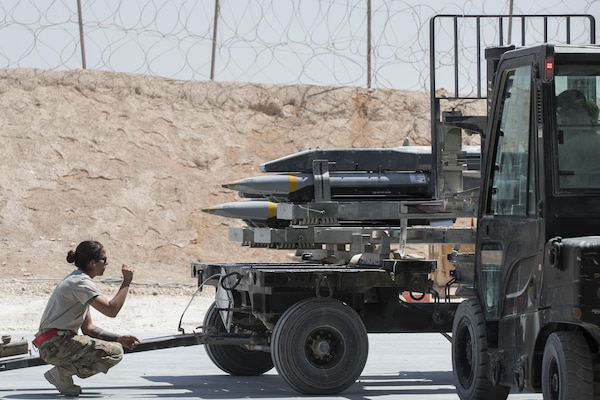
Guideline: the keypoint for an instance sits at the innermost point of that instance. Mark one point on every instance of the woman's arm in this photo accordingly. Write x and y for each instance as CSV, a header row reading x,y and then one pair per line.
x,y
88,328
111,308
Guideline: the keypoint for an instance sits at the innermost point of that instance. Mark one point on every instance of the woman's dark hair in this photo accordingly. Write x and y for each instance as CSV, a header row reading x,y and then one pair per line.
x,y
85,252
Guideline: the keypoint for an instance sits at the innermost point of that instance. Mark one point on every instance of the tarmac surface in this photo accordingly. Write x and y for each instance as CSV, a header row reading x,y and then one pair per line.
x,y
400,366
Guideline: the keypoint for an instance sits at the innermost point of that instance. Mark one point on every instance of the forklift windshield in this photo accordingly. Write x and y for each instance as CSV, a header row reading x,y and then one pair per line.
x,y
578,132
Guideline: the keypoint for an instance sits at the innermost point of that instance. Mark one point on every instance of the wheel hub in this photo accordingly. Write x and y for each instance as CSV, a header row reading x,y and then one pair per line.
x,y
322,347
554,380
465,355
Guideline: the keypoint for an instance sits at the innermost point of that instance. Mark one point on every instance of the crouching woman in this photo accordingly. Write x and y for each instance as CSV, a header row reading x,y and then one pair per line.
x,y
67,311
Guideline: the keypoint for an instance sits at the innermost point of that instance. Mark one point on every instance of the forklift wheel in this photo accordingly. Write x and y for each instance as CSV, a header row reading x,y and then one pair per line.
x,y
470,360
567,368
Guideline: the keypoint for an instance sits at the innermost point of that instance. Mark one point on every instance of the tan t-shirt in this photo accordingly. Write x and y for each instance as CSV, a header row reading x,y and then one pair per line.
x,y
69,303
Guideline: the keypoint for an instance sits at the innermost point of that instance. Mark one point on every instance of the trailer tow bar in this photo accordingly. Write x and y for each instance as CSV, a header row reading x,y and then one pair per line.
x,y
157,343
444,334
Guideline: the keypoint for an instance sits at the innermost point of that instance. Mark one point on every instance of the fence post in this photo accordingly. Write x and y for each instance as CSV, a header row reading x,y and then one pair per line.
x,y
214,42
369,44
81,41
510,20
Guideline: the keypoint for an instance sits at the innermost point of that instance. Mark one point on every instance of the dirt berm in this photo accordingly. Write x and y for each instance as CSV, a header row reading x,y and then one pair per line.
x,y
131,160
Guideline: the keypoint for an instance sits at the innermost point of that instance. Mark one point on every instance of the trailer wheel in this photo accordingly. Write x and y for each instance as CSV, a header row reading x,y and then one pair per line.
x,y
234,359
319,346
470,360
567,368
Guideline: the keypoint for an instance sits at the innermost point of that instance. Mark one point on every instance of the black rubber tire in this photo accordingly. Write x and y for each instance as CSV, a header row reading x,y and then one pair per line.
x,y
470,359
567,367
233,359
319,346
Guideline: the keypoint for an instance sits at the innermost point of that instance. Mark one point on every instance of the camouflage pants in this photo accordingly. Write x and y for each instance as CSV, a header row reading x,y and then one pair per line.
x,y
81,355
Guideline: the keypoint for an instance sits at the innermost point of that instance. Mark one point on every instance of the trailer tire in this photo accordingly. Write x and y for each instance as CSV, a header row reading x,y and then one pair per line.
x,y
567,367
234,359
470,359
319,346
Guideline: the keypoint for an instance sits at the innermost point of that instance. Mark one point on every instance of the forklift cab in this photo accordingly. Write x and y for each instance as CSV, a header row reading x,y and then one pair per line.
x,y
543,178
540,191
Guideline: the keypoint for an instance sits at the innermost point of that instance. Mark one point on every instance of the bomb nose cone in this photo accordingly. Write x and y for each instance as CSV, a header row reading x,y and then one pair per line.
x,y
212,210
271,184
252,210
232,185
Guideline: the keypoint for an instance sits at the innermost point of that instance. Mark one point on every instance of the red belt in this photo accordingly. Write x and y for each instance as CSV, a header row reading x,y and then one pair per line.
x,y
50,334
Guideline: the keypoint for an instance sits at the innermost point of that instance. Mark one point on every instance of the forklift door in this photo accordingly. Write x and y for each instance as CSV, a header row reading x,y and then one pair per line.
x,y
509,227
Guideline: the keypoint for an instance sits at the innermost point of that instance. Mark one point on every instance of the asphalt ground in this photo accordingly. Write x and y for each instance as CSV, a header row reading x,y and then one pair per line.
x,y
400,366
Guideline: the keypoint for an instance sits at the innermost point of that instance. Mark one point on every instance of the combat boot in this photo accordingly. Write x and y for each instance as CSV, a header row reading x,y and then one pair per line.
x,y
63,382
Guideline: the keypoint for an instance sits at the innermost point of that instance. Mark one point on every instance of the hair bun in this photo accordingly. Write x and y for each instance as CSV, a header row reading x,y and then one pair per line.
x,y
71,257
